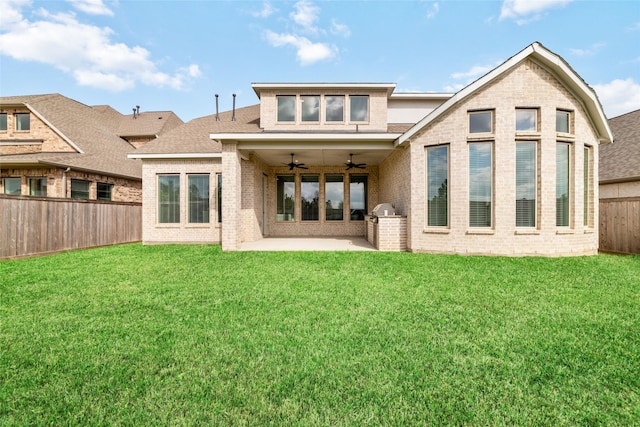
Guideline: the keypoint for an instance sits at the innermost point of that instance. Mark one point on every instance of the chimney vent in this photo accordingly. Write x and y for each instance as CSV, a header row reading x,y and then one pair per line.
x,y
217,117
233,115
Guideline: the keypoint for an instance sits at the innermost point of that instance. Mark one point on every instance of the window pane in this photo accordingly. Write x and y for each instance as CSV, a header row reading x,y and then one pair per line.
x,y
287,108
219,197
3,121
334,108
286,194
357,197
526,120
169,199
310,108
334,197
526,184
12,186
562,121
480,122
480,184
309,195
437,197
198,198
38,187
104,191
23,121
587,187
562,185
359,108
79,189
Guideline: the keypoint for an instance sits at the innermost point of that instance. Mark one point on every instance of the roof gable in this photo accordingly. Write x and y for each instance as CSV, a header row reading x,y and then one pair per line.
x,y
552,63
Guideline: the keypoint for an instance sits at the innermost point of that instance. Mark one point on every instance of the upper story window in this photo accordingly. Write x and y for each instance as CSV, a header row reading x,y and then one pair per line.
x,y
12,186
38,187
563,121
334,108
310,108
359,108
286,108
526,120
23,121
3,121
481,122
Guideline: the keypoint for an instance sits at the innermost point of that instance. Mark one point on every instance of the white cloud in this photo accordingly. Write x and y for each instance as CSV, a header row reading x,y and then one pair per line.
x,y
525,11
592,50
474,72
306,15
92,7
307,51
86,52
340,29
266,11
435,8
619,96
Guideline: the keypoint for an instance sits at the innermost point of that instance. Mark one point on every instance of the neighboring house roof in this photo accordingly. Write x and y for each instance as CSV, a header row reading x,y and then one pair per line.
x,y
92,131
152,123
620,161
560,68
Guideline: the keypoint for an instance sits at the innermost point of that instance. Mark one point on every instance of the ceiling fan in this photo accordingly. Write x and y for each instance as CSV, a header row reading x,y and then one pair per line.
x,y
294,164
351,165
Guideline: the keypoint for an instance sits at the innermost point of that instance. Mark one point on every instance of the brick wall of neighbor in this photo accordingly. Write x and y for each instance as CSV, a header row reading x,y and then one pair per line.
x,y
152,232
377,111
320,227
620,190
528,85
124,190
51,141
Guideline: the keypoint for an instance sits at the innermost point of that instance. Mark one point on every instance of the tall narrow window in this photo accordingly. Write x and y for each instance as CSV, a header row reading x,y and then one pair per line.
x,y
562,184
481,122
310,108
526,184
23,121
286,108
286,194
359,108
198,198
437,191
38,187
12,186
104,191
357,197
480,184
334,108
3,121
219,207
563,121
79,189
587,186
334,197
309,197
168,199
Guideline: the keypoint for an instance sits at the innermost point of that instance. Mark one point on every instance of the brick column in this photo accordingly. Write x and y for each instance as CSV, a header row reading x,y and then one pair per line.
x,y
231,197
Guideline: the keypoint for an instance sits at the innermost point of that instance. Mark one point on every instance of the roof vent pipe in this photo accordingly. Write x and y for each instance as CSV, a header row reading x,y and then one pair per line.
x,y
217,117
137,110
233,116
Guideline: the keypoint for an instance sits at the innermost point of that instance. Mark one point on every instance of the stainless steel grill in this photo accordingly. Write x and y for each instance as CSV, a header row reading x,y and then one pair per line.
x,y
383,209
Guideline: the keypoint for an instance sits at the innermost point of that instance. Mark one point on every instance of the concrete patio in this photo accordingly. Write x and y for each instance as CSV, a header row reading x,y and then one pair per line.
x,y
308,244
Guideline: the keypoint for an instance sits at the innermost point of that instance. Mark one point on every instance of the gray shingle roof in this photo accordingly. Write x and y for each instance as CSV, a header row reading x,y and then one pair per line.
x,y
94,130
620,161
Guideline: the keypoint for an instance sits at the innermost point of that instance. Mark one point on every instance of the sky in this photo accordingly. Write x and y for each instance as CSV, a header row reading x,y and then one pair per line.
x,y
176,55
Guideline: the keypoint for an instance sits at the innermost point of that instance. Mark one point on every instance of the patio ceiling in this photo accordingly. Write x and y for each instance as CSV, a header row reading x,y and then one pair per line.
x,y
320,156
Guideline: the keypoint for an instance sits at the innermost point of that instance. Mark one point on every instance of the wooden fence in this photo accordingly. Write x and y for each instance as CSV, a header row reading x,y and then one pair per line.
x,y
30,225
620,225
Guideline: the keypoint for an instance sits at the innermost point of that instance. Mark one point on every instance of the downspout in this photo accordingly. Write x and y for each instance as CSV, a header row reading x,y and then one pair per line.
x,y
64,182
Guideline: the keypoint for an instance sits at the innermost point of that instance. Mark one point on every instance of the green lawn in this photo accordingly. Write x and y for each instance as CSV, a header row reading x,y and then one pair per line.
x,y
183,335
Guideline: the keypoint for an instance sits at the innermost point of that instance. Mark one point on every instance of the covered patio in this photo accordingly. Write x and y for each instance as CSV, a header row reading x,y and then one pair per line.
x,y
344,243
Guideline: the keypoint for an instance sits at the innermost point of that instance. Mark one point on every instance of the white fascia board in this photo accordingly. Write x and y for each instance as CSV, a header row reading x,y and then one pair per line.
x,y
258,87
317,145
302,137
55,129
421,95
175,156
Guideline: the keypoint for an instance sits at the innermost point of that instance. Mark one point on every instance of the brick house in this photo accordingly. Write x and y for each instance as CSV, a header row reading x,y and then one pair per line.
x,y
53,146
507,165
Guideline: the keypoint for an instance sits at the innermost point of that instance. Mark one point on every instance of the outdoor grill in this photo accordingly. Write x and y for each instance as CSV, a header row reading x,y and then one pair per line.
x,y
383,209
